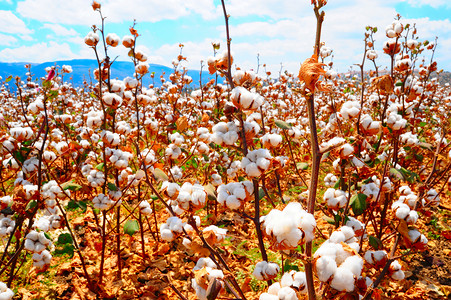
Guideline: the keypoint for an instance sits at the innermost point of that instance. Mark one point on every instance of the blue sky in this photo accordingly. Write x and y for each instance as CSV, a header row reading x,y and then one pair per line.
x,y
279,32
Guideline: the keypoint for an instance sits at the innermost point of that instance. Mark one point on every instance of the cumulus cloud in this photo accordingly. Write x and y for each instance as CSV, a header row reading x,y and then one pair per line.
x,y
10,23
80,12
432,3
7,40
60,30
41,52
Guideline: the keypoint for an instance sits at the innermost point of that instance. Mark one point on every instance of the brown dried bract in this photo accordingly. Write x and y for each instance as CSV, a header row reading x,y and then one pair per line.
x,y
383,84
310,71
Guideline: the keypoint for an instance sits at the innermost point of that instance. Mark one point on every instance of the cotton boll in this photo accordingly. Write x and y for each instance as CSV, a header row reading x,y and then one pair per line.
x,y
401,210
395,271
343,280
325,267
266,270
274,288
354,264
412,218
267,296
300,282
287,293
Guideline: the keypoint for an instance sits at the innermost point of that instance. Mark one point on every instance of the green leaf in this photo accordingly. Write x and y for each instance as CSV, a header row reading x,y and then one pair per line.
x,y
32,204
70,185
399,83
111,186
375,242
8,79
100,167
302,165
395,173
65,238
18,156
288,267
130,227
261,193
422,124
160,175
282,124
358,203
66,249
329,220
46,84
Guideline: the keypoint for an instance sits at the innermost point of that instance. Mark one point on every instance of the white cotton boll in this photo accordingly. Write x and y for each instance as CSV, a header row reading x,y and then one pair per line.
x,y
274,288
325,267
410,200
166,234
346,150
326,249
373,257
348,232
43,239
266,270
337,237
232,202
401,210
252,170
412,218
267,296
38,247
396,271
6,293
263,163
343,280
287,293
43,223
300,282
287,279
354,264
29,245
350,109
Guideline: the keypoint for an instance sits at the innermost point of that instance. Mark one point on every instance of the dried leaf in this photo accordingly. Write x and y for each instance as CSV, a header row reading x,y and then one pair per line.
x,y
310,71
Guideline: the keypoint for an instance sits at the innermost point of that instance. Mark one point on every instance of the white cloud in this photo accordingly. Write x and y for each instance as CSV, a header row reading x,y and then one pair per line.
x,y
80,11
50,11
61,30
40,52
10,23
7,40
432,3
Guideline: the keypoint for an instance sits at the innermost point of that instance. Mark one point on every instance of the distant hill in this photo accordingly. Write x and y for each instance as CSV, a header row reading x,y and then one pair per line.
x,y
83,69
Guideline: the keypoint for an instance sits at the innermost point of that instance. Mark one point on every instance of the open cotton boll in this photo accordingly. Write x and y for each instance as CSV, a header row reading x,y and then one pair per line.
x,y
5,292
330,180
343,280
300,282
377,258
325,267
287,293
354,264
271,140
267,296
335,199
395,271
266,270
289,227
145,208
401,210
350,109
412,218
